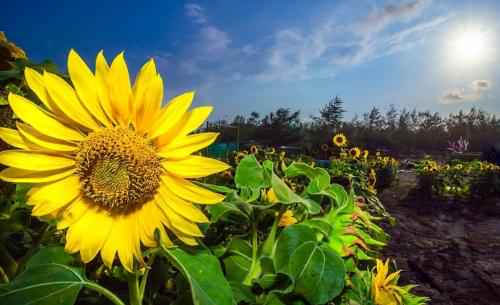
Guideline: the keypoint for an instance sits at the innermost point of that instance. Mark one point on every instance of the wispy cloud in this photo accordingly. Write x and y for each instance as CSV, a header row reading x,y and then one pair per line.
x,y
475,91
196,12
379,18
298,53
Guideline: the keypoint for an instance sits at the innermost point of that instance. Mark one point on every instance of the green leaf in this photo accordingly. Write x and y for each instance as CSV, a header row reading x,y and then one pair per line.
x,y
250,174
242,293
216,188
289,239
319,175
286,196
321,225
46,284
318,272
228,211
204,274
47,255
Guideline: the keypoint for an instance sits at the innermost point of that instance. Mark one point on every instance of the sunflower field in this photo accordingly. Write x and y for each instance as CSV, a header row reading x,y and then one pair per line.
x,y
106,198
458,180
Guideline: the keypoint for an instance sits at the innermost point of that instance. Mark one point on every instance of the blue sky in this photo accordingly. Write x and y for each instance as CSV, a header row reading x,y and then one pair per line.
x,y
244,56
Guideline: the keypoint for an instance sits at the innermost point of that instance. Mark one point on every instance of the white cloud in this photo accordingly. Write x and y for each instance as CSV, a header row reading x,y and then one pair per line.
x,y
295,53
380,18
196,12
476,90
299,53
481,85
213,40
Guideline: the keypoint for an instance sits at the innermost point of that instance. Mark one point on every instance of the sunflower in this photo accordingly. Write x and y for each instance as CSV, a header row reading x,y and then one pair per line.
x,y
372,177
340,140
355,152
107,161
287,219
254,150
366,153
385,290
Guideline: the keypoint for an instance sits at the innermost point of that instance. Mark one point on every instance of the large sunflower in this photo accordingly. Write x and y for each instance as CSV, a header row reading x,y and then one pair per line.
x,y
108,161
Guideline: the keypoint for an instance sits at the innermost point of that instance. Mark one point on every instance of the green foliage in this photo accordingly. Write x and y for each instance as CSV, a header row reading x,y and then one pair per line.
x,y
458,180
204,274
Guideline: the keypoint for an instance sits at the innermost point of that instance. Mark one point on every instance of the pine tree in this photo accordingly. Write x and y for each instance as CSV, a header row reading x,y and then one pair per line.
x,y
333,113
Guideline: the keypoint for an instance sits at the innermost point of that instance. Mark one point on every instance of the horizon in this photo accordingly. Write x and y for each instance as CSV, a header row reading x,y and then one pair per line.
x,y
429,55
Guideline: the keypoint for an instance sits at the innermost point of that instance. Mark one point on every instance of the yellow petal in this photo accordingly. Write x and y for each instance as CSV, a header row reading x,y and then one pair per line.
x,y
35,82
86,87
17,175
196,118
177,221
149,221
73,212
54,195
142,83
32,135
182,207
189,123
101,76
119,89
111,245
172,114
190,192
182,147
90,244
34,161
187,239
13,138
194,166
152,103
40,120
123,239
65,99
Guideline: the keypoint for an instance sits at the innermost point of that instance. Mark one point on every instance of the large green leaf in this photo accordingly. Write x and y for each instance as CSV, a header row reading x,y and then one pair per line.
x,y
47,255
46,284
250,174
48,280
204,274
291,238
227,211
318,272
319,175
286,196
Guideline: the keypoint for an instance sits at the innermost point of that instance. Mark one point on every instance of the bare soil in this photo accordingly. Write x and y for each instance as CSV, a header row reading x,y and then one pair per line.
x,y
450,249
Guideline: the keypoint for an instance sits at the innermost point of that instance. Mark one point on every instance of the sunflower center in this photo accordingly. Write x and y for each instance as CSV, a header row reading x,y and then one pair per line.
x,y
118,169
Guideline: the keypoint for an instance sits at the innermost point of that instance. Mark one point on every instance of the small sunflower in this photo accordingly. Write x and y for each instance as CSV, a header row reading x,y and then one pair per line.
x,y
271,196
340,140
107,161
366,153
372,177
355,152
239,156
385,290
287,219
254,150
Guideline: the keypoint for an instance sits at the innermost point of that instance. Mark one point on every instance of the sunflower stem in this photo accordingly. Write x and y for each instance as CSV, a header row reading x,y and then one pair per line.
x,y
144,279
254,271
105,292
133,289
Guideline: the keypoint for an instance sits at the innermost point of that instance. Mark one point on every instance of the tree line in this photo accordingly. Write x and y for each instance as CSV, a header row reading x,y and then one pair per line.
x,y
396,130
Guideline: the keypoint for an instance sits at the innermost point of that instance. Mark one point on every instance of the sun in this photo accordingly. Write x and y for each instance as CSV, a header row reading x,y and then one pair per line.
x,y
469,46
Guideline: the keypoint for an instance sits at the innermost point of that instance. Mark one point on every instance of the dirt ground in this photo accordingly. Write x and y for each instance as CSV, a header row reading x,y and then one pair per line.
x,y
451,250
